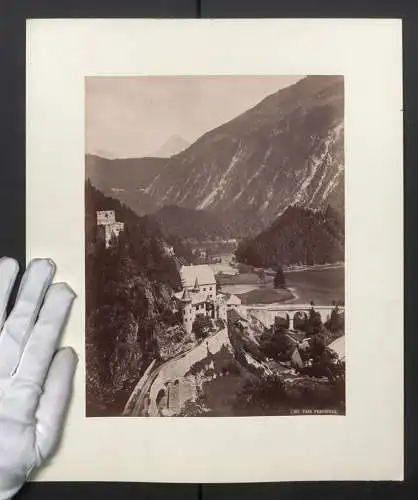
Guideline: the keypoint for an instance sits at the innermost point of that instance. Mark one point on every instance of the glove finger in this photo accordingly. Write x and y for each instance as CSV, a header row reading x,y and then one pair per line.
x,y
9,269
35,282
42,342
54,400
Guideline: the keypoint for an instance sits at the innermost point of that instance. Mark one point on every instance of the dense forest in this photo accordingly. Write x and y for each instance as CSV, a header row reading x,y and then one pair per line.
x,y
129,311
187,223
298,236
201,225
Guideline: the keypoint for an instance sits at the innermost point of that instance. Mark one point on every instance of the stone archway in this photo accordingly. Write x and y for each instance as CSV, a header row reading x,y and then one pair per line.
x,y
296,318
300,319
161,399
281,320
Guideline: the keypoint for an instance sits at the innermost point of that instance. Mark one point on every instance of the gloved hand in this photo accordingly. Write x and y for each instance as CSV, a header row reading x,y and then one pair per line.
x,y
35,379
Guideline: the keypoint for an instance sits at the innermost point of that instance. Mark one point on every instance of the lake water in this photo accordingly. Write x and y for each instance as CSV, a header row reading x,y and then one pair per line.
x,y
320,285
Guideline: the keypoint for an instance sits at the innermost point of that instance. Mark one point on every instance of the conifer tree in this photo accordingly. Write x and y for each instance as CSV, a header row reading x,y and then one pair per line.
x,y
279,279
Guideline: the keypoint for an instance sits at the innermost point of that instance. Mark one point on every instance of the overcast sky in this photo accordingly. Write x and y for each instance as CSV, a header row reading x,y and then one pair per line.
x,y
135,116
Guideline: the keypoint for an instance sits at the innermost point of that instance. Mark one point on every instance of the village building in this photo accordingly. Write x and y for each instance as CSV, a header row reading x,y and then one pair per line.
x,y
338,346
232,301
199,295
200,278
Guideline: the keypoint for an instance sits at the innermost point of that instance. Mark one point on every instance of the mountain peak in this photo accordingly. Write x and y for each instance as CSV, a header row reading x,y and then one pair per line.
x,y
172,146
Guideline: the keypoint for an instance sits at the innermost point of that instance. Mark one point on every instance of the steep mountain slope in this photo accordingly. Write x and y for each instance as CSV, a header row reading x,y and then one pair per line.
x,y
287,149
299,236
125,179
187,223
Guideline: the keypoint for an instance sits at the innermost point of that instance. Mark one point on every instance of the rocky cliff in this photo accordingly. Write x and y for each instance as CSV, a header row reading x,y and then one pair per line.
x,y
288,149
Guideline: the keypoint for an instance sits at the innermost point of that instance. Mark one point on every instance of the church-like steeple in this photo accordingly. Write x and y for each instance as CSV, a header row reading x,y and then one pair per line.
x,y
186,296
196,285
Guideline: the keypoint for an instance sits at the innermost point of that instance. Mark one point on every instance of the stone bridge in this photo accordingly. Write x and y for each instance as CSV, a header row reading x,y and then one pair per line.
x,y
266,314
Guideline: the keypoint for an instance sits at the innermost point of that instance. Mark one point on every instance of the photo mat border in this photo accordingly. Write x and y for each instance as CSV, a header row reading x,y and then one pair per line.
x,y
13,145
388,50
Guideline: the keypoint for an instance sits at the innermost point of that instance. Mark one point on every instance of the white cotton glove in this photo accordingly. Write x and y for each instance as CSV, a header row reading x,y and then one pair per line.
x,y
35,379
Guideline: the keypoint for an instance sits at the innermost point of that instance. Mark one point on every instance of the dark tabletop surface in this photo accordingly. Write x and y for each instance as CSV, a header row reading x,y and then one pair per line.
x,y
13,14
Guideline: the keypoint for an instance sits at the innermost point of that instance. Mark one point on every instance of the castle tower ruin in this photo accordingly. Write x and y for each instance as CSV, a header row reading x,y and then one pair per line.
x,y
107,220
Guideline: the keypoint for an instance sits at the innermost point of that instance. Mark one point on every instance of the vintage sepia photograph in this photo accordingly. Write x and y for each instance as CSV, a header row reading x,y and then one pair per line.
x,y
214,246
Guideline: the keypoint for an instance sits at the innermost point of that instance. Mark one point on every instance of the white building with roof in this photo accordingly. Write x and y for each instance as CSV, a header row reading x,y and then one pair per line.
x,y
199,295
339,347
232,301
200,277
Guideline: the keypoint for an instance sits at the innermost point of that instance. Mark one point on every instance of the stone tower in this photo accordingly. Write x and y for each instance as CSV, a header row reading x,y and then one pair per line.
x,y
107,220
187,311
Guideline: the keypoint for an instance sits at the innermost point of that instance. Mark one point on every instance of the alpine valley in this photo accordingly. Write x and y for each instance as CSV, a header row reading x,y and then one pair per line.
x,y
215,270
287,150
